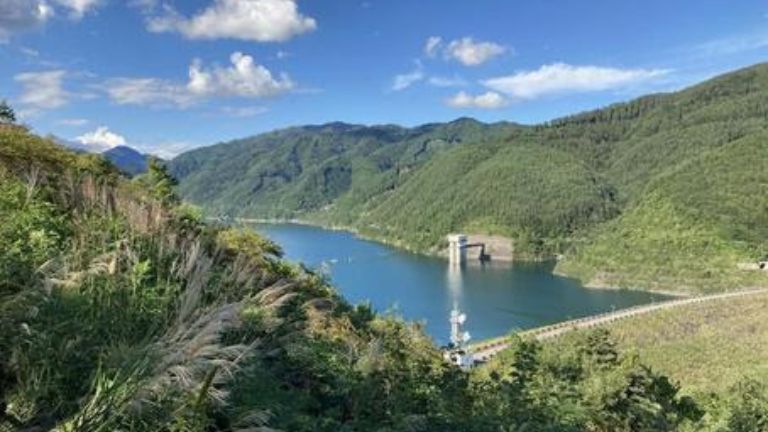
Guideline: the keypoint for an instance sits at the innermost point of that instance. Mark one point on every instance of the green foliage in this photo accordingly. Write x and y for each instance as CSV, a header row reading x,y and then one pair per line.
x,y
663,192
749,410
121,310
586,385
160,183
707,346
691,230
7,114
31,233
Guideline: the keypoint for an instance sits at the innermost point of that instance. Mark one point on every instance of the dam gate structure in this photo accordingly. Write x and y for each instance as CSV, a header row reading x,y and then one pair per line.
x,y
457,249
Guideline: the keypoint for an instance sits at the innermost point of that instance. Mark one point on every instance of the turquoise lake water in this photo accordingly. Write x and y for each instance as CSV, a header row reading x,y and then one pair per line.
x,y
496,297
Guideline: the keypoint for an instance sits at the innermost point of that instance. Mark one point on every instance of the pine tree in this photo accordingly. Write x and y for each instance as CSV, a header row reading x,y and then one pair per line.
x,y
161,183
7,115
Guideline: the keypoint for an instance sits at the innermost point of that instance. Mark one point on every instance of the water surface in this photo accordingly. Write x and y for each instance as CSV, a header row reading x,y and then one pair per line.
x,y
497,297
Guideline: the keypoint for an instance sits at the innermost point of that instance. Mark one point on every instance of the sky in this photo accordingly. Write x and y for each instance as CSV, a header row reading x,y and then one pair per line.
x,y
166,76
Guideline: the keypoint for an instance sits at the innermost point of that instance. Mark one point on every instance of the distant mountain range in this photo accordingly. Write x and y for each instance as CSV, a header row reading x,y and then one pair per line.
x,y
127,159
664,192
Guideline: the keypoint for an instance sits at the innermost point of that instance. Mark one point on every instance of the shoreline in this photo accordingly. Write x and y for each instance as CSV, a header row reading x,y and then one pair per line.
x,y
356,232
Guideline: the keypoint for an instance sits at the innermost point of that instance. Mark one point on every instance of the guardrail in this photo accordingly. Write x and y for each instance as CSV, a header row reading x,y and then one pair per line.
x,y
484,351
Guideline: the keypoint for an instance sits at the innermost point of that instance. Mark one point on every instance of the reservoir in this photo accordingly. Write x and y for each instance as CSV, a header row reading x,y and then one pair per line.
x,y
497,297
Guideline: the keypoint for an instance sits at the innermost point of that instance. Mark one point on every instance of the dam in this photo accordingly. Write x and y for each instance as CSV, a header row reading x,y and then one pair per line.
x,y
457,249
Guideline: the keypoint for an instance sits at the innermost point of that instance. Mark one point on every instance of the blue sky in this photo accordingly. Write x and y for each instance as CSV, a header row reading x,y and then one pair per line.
x,y
169,75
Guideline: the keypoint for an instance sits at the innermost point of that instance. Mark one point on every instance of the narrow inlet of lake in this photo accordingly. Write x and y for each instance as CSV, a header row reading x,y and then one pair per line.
x,y
496,297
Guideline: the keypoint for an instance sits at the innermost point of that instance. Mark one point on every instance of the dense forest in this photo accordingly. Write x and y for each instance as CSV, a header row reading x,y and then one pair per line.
x,y
664,192
120,309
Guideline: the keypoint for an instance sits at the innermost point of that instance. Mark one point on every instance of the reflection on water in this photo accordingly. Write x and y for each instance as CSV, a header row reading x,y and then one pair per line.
x,y
496,297
454,282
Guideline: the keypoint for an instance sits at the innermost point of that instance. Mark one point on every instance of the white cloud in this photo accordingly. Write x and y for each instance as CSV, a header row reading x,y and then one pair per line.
x,y
244,78
166,150
21,15
403,81
432,46
466,50
78,8
563,78
42,90
488,100
148,91
29,52
100,140
469,52
75,122
254,20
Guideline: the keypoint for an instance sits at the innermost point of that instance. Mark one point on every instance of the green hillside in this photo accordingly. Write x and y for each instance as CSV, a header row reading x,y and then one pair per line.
x,y
292,172
708,346
531,193
121,310
662,192
691,229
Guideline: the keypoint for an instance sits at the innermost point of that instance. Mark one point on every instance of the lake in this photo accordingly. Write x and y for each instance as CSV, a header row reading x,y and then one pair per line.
x,y
497,297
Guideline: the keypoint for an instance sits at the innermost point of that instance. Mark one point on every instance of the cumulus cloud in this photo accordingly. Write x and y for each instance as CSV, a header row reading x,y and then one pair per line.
x,y
100,140
488,100
466,50
564,78
42,90
469,52
243,78
253,20
21,15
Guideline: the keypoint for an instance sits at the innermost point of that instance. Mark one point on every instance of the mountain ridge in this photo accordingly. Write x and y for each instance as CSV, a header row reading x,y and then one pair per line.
x,y
554,188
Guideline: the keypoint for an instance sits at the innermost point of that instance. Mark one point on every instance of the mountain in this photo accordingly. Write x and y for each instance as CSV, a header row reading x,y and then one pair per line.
x,y
301,170
127,159
664,192
121,309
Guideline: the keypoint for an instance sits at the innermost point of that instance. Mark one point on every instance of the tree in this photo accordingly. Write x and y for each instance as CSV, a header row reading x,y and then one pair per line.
x,y
161,183
7,115
599,349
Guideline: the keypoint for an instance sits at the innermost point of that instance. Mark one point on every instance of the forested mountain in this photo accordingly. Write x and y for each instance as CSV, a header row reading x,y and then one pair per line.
x,y
120,309
304,169
130,161
666,191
